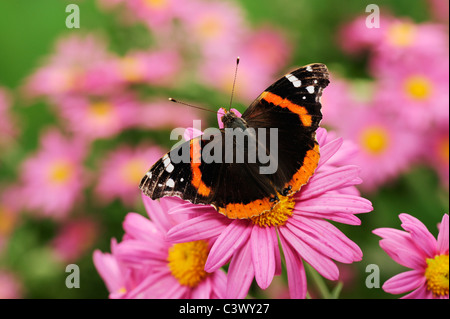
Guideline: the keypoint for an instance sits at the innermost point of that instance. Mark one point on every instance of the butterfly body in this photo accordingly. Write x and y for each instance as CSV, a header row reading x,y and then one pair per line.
x,y
279,127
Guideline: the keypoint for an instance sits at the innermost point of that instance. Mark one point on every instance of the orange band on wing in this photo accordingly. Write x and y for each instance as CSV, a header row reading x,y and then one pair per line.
x,y
301,111
195,152
305,172
243,211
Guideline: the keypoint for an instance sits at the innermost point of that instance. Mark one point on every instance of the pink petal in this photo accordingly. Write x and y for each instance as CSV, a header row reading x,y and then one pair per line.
x,y
233,237
203,290
404,257
263,256
295,271
335,203
442,241
219,283
156,213
420,293
204,226
328,150
240,273
109,269
318,261
278,268
137,253
139,227
404,282
331,179
420,235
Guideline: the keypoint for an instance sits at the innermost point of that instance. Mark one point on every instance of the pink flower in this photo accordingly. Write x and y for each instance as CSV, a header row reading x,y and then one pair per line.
x,y
79,64
74,239
10,286
215,27
386,147
150,67
52,180
8,129
156,14
417,249
298,222
122,169
96,118
145,265
416,92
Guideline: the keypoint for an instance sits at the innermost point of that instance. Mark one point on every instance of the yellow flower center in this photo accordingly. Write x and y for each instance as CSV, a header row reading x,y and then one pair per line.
x,y
133,171
401,34
418,87
187,262
210,27
437,275
156,4
131,69
60,172
101,111
374,140
278,215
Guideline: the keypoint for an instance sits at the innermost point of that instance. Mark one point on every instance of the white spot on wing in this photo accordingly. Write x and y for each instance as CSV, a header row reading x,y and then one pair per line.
x,y
309,68
169,168
310,89
170,183
149,174
294,80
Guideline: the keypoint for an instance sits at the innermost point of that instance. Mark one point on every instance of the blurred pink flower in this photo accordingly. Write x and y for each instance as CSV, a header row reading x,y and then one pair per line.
x,y
79,64
416,93
8,129
52,180
150,67
145,265
385,147
299,221
74,239
156,14
215,27
121,171
101,117
417,249
159,114
10,285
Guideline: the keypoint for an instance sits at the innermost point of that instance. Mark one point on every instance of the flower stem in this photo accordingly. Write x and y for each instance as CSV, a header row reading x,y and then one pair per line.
x,y
319,282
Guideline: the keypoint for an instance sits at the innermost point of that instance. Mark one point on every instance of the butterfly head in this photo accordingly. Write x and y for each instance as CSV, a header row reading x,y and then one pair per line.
x,y
231,120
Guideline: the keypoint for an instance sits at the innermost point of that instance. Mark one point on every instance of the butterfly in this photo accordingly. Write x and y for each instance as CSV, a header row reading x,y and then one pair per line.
x,y
290,109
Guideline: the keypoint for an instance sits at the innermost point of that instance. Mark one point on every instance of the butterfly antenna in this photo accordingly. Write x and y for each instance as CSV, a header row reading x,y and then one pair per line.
x,y
234,81
190,105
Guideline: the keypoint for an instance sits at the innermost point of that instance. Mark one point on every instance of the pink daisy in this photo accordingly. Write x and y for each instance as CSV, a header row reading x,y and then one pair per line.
x,y
101,117
417,92
79,64
122,169
417,249
299,222
74,239
150,67
215,27
52,180
386,148
145,265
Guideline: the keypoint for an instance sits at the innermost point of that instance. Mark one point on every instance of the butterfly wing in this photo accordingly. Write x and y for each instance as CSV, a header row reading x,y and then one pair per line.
x,y
292,105
236,190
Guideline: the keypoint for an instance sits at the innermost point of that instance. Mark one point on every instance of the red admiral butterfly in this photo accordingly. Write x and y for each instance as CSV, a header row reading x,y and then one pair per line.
x,y
238,189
